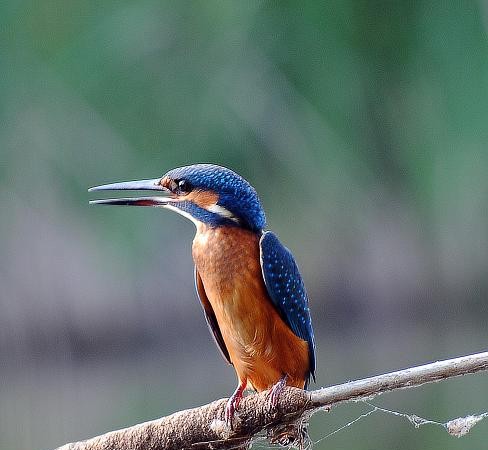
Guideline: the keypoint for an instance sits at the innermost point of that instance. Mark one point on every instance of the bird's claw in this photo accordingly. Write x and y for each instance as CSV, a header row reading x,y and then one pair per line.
x,y
276,390
230,409
232,406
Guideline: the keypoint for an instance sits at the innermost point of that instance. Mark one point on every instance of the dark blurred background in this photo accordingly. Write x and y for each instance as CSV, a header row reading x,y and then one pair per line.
x,y
363,126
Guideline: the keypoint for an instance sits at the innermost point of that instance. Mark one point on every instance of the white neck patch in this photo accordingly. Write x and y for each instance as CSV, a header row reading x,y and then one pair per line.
x,y
216,209
223,212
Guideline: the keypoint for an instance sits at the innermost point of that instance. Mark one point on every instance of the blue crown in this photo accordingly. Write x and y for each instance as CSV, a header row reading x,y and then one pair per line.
x,y
234,193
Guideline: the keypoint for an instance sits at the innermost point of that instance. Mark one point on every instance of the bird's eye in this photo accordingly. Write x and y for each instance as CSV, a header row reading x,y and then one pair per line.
x,y
184,187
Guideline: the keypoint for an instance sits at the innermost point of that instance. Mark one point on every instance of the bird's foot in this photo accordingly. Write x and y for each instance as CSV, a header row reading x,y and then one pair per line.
x,y
276,390
233,404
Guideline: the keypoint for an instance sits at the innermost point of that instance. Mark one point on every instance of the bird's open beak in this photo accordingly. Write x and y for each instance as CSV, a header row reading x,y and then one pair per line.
x,y
142,185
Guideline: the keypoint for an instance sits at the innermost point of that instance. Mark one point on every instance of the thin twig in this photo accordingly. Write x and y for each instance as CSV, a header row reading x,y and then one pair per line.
x,y
406,378
204,427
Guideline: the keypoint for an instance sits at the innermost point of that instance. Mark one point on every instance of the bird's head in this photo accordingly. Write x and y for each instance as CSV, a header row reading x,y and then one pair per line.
x,y
204,193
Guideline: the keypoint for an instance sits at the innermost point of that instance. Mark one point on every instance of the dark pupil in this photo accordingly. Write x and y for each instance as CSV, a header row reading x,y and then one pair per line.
x,y
183,186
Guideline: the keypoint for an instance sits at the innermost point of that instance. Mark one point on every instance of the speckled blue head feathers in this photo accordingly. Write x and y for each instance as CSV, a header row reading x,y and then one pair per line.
x,y
234,195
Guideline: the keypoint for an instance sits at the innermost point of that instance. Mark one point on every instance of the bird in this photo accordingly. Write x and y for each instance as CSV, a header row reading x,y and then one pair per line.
x,y
252,294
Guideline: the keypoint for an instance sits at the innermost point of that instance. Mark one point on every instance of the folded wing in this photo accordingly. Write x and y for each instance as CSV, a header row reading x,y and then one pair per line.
x,y
287,290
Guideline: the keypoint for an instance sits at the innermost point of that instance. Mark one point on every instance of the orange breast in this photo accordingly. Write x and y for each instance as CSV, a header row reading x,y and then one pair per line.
x,y
261,346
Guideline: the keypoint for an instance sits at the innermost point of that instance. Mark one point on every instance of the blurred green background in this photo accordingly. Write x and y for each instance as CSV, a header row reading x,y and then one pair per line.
x,y
363,126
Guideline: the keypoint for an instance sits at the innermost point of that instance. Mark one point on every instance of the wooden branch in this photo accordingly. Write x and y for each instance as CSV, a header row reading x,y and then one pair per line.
x,y
203,427
415,376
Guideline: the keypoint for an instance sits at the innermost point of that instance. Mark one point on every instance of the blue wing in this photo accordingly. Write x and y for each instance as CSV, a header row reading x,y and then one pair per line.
x,y
286,290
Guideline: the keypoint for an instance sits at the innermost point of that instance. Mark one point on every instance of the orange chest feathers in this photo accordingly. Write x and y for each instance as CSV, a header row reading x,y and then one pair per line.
x,y
261,346
227,260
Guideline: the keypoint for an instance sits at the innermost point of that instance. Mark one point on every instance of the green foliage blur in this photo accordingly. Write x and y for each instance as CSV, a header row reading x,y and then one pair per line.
x,y
363,126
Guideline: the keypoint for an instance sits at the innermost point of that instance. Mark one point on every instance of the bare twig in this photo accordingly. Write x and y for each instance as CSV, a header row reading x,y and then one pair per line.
x,y
203,428
414,376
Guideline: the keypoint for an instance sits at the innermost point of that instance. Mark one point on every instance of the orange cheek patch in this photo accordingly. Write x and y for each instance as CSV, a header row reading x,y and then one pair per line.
x,y
204,199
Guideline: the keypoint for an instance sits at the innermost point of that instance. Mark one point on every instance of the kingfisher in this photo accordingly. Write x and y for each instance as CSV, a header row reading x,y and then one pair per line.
x,y
248,283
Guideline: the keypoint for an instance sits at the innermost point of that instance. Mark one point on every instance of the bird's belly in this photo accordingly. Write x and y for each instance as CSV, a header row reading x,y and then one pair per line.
x,y
261,346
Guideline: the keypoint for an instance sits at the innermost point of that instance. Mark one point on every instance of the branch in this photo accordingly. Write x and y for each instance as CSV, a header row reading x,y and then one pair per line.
x,y
203,427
